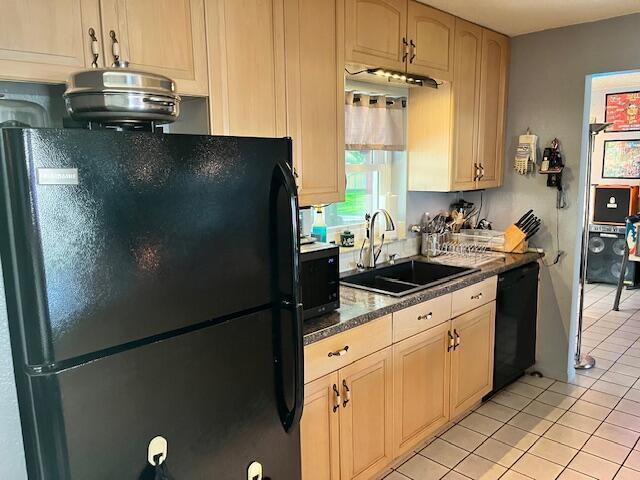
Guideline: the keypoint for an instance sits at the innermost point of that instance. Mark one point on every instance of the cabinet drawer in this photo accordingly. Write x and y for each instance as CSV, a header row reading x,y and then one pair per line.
x,y
335,352
473,296
421,317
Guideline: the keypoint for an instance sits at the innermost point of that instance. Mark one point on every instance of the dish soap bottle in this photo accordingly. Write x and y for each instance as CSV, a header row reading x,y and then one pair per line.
x,y
319,229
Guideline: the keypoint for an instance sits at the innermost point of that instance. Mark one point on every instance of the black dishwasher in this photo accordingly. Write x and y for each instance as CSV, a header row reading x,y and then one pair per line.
x,y
516,316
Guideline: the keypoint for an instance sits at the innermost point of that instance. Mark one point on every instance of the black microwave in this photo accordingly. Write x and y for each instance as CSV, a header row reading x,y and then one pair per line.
x,y
319,278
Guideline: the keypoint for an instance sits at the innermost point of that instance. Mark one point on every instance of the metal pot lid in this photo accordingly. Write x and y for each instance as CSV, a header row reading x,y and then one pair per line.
x,y
101,80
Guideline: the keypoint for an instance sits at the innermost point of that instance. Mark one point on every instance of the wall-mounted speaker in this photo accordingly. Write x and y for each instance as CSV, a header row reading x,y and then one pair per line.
x,y
613,203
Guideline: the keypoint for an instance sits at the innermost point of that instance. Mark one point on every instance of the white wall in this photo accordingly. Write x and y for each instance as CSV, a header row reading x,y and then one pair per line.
x,y
547,94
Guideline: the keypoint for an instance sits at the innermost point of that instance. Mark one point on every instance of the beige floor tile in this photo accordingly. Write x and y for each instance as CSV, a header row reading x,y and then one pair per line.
x,y
556,400
553,451
444,453
610,388
567,436
536,467
513,475
515,437
568,474
625,370
629,406
590,410
530,423
511,400
633,394
543,410
624,420
618,379
613,347
481,424
605,354
600,398
595,466
633,461
595,372
499,452
579,422
421,468
452,475
629,359
619,435
524,389
583,381
540,382
602,363
395,476
606,449
497,411
569,389
626,474
463,437
478,468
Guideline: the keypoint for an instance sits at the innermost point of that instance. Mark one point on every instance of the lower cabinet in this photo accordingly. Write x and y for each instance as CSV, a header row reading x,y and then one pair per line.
x,y
421,372
347,421
472,357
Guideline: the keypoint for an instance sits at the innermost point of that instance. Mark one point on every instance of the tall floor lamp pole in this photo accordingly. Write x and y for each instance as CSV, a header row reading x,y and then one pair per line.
x,y
584,361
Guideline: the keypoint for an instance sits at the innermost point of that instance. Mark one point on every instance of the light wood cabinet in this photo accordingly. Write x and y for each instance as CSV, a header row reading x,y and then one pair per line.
x,y
160,36
493,103
366,417
472,357
314,57
455,136
45,41
422,370
319,429
431,38
376,33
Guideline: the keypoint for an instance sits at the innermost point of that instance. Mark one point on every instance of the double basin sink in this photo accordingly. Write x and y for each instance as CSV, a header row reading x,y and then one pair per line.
x,y
404,278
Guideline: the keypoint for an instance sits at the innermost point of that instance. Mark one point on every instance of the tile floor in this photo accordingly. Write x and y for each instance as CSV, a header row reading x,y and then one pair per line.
x,y
539,428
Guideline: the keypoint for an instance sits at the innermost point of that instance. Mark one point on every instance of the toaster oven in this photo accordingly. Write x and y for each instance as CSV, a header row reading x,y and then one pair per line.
x,y
319,278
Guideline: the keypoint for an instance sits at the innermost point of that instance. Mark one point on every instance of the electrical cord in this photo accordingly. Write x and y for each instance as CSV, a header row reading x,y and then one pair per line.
x,y
355,73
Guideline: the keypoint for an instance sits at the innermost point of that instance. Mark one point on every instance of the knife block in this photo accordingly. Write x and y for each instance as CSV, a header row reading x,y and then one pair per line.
x,y
514,240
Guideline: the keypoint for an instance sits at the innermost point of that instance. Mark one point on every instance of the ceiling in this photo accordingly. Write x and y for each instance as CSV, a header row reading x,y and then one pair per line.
x,y
516,17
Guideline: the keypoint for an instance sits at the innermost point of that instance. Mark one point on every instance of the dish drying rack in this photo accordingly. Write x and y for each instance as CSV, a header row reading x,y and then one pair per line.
x,y
464,249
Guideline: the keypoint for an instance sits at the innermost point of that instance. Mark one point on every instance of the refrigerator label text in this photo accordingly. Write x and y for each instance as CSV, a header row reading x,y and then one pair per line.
x,y
58,176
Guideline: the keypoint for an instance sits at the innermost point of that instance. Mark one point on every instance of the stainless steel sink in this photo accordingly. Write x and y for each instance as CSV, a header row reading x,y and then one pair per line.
x,y
404,278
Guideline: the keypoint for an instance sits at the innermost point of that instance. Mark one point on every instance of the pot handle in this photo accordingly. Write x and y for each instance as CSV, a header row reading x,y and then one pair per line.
x,y
159,101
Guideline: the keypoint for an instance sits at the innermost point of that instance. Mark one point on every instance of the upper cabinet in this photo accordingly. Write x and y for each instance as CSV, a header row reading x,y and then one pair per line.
x,y
246,67
314,57
400,35
456,133
45,41
376,32
160,36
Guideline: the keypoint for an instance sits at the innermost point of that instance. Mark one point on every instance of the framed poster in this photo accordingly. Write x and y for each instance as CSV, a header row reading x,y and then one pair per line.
x,y
621,159
623,110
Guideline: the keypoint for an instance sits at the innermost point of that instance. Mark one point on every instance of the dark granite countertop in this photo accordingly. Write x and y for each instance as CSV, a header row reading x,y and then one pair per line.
x,y
358,307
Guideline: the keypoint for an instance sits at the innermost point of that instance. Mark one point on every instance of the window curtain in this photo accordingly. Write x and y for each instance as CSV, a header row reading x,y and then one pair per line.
x,y
374,122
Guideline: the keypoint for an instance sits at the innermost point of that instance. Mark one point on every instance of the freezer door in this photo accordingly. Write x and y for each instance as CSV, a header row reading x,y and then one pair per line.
x,y
119,237
210,393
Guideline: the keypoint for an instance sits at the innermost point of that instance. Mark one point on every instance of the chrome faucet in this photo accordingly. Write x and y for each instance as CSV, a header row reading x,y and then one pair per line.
x,y
371,254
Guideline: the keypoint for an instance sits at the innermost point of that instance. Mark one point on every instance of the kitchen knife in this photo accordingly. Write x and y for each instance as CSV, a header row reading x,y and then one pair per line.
x,y
532,232
523,218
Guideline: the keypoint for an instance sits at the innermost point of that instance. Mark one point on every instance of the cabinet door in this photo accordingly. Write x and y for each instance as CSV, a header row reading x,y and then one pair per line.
x,y
45,40
319,429
432,34
160,36
246,67
466,89
493,102
366,417
421,371
375,30
472,357
314,46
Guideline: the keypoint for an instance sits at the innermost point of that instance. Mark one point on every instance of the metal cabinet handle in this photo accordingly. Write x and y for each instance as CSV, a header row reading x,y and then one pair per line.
x,y
336,398
95,48
457,343
428,316
405,46
451,341
347,393
481,171
413,51
476,297
339,353
115,49
477,174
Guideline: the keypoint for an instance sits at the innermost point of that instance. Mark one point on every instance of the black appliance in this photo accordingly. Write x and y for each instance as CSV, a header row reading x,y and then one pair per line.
x,y
613,203
141,305
319,278
604,256
516,318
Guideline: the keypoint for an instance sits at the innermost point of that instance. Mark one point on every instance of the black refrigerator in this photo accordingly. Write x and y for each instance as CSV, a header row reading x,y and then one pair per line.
x,y
152,289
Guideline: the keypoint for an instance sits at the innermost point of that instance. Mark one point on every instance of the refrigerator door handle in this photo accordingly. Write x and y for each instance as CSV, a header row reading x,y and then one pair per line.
x,y
283,178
